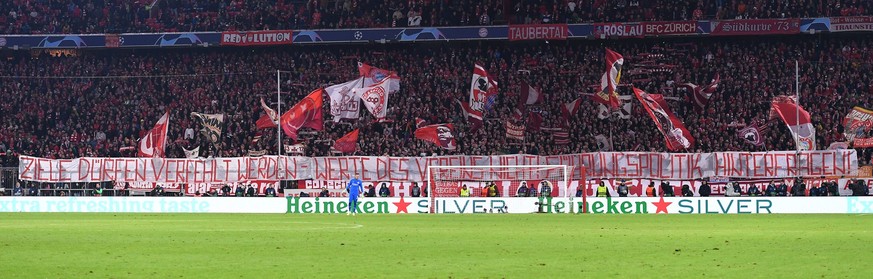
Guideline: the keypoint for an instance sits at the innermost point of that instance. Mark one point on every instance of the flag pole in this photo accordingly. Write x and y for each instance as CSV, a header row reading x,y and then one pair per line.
x,y
279,109
797,95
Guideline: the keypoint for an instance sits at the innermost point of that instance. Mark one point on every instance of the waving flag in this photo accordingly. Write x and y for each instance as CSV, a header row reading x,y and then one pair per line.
x,y
419,122
375,98
753,134
211,123
700,95
857,123
268,120
439,134
344,104
193,153
609,81
570,109
529,95
373,75
797,119
677,137
624,111
305,114
483,90
155,142
347,143
474,117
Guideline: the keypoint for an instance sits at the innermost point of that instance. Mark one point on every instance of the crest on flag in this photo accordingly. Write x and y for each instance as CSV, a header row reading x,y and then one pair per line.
x,y
193,153
797,119
211,125
674,131
439,134
753,134
154,142
608,94
483,90
344,103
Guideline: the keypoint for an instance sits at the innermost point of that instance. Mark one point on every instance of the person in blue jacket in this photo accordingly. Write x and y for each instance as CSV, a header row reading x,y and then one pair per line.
x,y
355,188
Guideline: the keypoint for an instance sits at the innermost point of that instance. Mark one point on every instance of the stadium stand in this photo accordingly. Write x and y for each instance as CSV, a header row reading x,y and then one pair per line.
x,y
97,103
116,16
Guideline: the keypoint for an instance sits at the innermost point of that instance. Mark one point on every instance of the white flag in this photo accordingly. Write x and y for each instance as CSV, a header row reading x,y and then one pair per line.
x,y
193,153
375,97
344,103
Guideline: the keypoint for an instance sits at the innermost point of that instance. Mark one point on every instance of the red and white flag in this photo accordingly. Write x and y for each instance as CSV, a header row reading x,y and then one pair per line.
x,y
700,95
534,121
610,80
561,137
754,133
474,117
570,109
677,136
529,95
344,104
514,131
155,141
483,90
857,123
373,75
270,119
305,114
797,119
375,98
347,143
439,134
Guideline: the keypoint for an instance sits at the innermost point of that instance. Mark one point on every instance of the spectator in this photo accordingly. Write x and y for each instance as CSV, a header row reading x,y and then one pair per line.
x,y
492,190
686,191
814,190
270,191
416,191
545,188
782,190
705,190
383,191
532,191
158,191
251,191
324,192
212,193
771,189
732,189
240,191
622,189
753,190
666,189
17,190
225,190
522,190
799,188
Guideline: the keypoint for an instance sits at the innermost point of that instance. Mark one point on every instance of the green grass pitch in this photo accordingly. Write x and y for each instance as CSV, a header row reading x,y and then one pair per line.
x,y
35,245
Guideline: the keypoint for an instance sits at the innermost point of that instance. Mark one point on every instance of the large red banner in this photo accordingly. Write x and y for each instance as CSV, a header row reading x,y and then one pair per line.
x,y
851,23
670,28
257,38
666,166
538,32
755,27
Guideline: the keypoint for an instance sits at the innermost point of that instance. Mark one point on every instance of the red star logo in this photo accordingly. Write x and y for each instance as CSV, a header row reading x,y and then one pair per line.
x,y
662,206
402,205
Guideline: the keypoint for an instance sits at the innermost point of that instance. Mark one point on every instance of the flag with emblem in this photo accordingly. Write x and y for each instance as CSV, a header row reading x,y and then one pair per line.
x,y
373,75
211,125
155,141
375,98
305,114
440,134
797,119
483,90
344,103
608,94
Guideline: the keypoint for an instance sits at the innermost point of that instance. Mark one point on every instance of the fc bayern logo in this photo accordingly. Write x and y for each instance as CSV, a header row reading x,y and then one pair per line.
x,y
375,96
483,32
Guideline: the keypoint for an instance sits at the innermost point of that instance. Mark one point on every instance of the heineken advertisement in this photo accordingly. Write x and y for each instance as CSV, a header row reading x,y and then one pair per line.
x,y
635,205
404,205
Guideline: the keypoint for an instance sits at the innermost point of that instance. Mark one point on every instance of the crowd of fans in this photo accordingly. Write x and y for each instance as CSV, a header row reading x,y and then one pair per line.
x,y
121,16
100,103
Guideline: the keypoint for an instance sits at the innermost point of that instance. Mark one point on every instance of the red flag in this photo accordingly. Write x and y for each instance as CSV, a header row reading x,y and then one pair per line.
x,y
474,117
347,143
534,121
439,134
561,137
155,142
797,119
569,109
754,133
701,95
609,81
678,138
269,119
306,113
